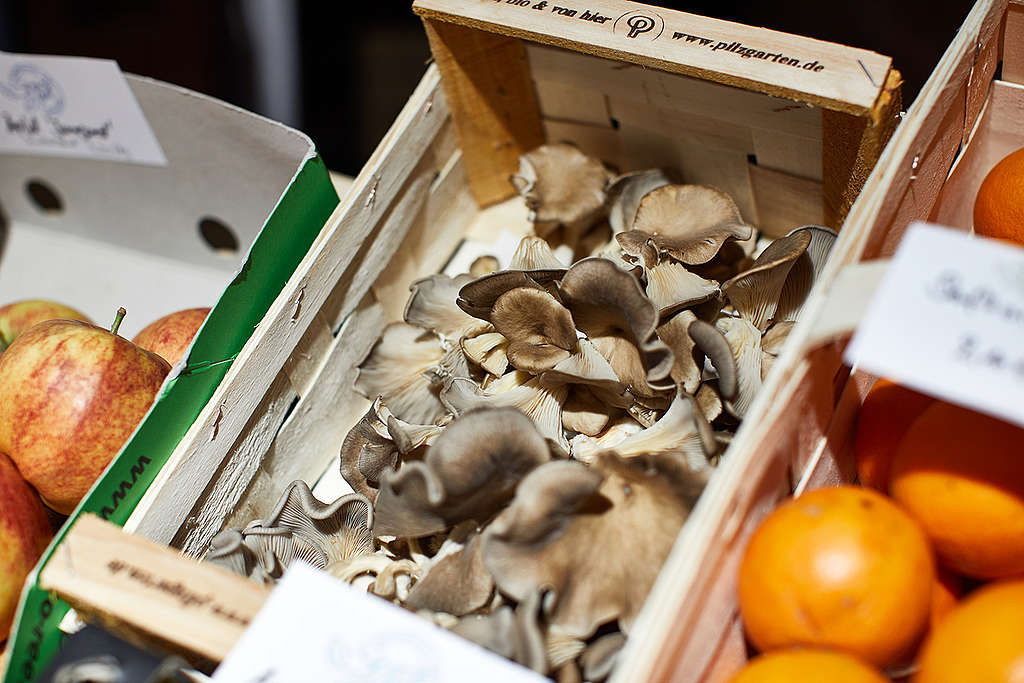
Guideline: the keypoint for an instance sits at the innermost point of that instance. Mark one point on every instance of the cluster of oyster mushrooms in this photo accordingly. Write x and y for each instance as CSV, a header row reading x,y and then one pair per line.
x,y
539,433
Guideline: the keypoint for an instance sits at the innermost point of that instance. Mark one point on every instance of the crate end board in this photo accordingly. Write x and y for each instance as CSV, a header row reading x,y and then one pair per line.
x,y
150,593
816,72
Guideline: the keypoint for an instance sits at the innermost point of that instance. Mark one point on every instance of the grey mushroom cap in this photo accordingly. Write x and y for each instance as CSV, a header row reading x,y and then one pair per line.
x,y
456,584
539,329
535,254
299,528
394,369
562,186
745,341
713,343
515,634
461,476
584,413
625,193
671,287
804,272
432,306
600,656
596,536
609,307
477,298
755,293
484,265
367,451
688,222
688,360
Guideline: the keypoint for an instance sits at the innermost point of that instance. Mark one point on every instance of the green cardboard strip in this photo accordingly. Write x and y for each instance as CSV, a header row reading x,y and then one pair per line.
x,y
282,243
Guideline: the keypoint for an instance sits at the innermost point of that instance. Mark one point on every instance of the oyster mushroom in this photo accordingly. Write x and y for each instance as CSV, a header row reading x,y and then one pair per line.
x,y
805,271
586,366
584,448
559,530
563,188
687,359
682,428
584,413
609,307
534,255
515,634
488,350
300,527
712,343
600,656
394,370
457,583
771,344
687,222
367,451
671,287
543,405
539,329
745,342
625,193
461,475
484,265
477,298
755,293
432,307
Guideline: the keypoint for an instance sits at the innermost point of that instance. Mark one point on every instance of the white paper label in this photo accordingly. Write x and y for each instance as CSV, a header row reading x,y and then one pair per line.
x,y
72,107
948,320
316,628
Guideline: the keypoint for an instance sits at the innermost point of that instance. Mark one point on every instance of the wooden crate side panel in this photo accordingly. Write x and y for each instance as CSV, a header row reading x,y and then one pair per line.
x,y
310,435
917,162
826,74
201,453
784,202
998,133
422,215
851,148
663,90
1013,43
486,79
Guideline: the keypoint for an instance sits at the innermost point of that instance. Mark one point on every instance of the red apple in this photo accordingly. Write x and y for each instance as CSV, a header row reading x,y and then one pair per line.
x,y
17,317
71,394
24,534
169,336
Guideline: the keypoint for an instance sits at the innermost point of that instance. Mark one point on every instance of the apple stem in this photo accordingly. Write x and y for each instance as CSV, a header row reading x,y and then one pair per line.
x,y
117,320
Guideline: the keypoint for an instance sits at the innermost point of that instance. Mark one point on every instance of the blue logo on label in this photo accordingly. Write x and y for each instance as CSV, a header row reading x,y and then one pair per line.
x,y
36,89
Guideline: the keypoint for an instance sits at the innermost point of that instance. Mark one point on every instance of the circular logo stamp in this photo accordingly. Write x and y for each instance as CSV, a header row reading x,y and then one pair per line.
x,y
35,88
639,24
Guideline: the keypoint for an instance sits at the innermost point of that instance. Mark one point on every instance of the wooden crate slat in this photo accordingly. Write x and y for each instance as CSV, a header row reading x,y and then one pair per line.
x,y
176,489
849,80
668,91
487,80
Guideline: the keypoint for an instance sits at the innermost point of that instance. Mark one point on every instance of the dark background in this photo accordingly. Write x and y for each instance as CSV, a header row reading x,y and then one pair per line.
x,y
355,64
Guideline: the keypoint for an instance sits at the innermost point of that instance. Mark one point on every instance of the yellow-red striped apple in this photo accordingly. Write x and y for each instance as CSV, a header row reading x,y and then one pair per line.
x,y
169,336
24,533
71,394
17,317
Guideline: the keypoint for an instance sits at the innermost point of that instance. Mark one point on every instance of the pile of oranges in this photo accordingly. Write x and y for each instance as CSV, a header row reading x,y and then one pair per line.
x,y
918,573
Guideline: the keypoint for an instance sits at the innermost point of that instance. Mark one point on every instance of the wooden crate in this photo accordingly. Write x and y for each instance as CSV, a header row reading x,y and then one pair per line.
x,y
963,122
792,145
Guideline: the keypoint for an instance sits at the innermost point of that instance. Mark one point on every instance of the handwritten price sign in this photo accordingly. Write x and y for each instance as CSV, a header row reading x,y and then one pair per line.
x,y
948,320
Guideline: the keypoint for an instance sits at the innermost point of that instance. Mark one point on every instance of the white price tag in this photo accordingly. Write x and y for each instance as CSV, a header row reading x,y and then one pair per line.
x,y
316,628
948,320
72,107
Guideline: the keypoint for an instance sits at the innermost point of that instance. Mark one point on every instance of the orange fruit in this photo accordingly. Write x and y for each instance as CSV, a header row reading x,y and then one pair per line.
x,y
887,413
840,568
961,475
946,592
807,666
999,204
981,641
